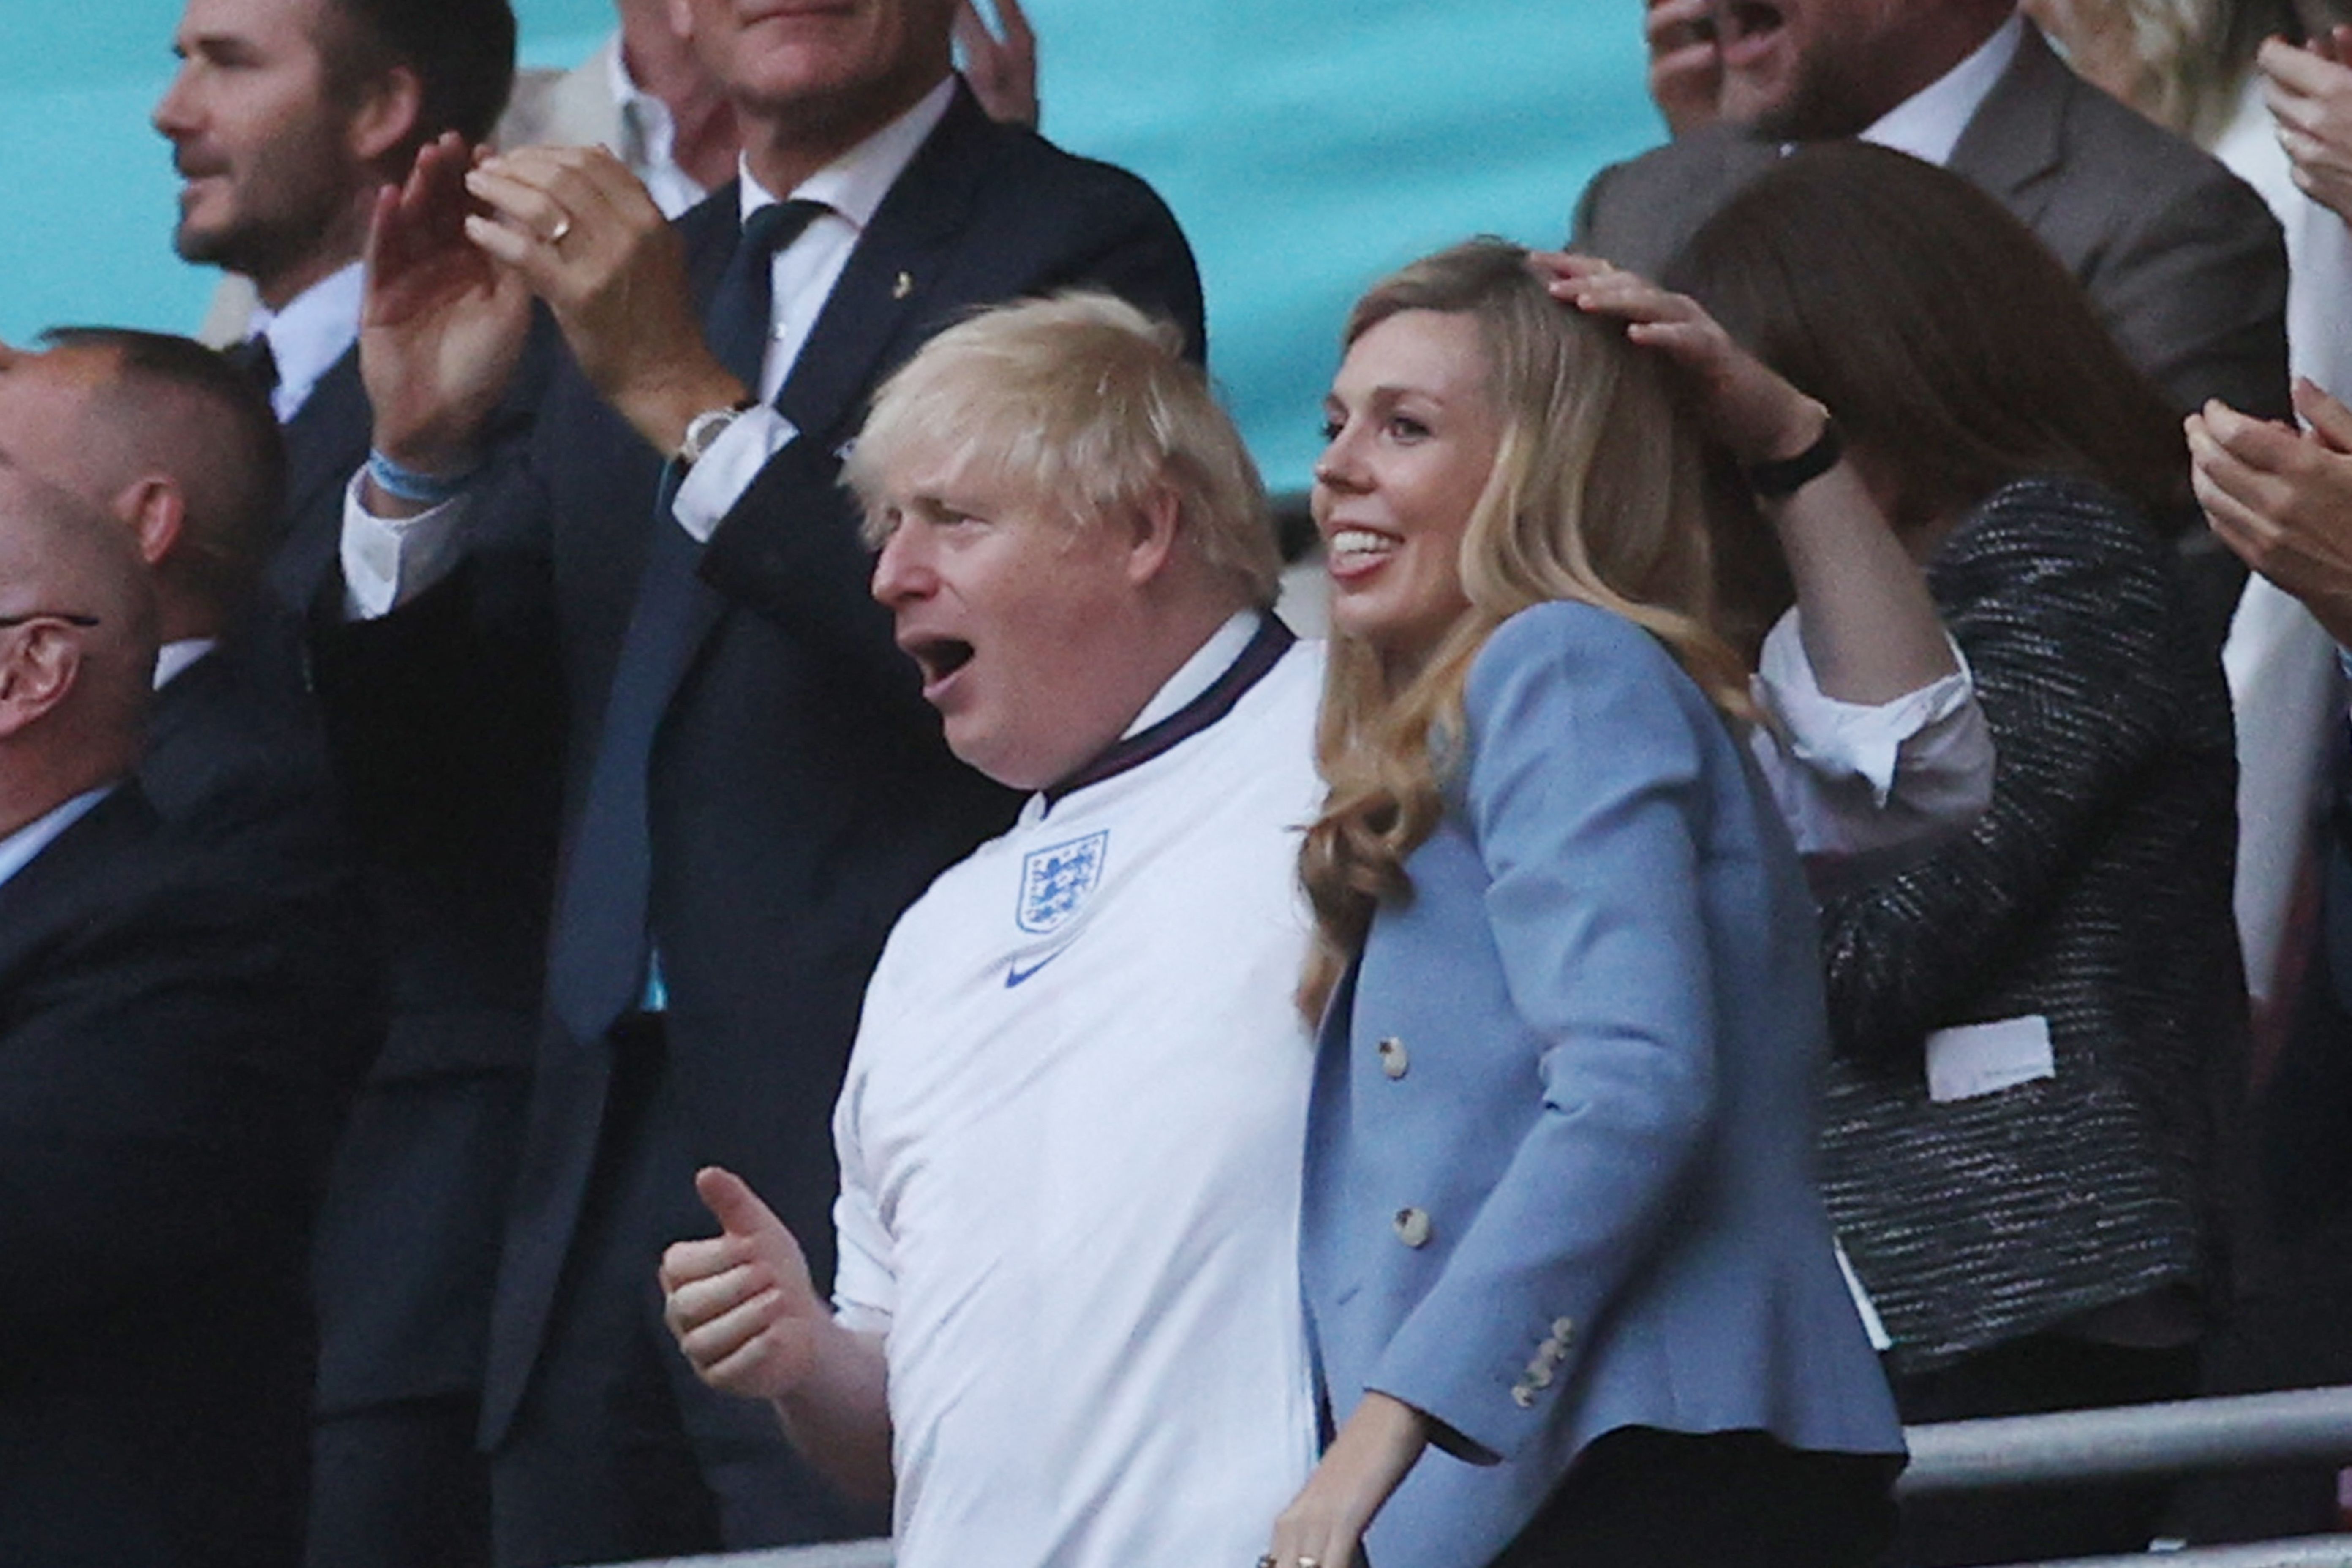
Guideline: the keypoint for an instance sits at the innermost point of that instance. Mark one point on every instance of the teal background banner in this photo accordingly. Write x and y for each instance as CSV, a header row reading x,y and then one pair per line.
x,y
1306,146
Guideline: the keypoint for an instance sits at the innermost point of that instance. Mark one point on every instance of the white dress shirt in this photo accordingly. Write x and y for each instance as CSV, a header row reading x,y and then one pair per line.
x,y
387,561
1928,123
174,657
649,135
18,850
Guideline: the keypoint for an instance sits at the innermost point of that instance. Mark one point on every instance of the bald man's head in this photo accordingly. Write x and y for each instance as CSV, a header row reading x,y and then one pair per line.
x,y
164,433
76,645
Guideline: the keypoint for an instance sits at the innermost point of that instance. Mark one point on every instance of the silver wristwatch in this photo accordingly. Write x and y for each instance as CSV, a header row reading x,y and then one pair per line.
x,y
705,428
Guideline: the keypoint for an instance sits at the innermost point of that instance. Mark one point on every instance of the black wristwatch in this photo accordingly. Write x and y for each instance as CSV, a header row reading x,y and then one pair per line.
x,y
1784,476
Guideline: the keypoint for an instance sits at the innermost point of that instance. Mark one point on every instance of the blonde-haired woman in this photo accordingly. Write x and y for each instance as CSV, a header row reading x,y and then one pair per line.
x,y
1561,1222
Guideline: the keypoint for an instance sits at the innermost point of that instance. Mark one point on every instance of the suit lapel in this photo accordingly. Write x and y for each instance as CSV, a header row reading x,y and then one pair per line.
x,y
55,890
326,441
884,288
890,277
2017,136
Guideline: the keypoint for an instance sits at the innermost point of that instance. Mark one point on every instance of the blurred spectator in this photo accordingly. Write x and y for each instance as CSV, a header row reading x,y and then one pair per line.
x,y
2179,259
2201,67
644,95
286,119
2027,1023
173,1021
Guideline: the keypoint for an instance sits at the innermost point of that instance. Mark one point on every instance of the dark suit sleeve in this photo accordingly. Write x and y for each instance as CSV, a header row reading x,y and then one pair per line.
x,y
2069,622
166,1078
2193,285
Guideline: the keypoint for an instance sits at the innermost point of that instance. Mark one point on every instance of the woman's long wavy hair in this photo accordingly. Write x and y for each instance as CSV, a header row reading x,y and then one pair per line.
x,y
1596,496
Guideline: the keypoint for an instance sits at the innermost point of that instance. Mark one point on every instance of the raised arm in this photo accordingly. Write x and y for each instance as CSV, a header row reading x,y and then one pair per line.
x,y
441,329
746,1314
1871,631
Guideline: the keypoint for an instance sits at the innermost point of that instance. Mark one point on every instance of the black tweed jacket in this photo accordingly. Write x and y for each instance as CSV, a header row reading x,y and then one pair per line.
x,y
2095,894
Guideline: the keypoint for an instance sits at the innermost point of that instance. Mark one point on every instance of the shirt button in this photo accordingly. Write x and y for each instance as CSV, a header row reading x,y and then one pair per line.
x,y
1540,1374
1413,1228
1523,1396
1394,1061
1563,1330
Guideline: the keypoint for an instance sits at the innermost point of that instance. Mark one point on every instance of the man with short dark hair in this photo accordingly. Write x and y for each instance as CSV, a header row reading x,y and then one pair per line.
x,y
755,784
175,1023
287,119
165,435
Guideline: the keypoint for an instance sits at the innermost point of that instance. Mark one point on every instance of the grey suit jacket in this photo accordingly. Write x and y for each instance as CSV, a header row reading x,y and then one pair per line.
x,y
2180,257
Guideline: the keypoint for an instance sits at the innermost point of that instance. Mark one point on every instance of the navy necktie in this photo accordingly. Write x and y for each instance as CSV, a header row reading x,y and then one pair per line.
x,y
596,968
255,358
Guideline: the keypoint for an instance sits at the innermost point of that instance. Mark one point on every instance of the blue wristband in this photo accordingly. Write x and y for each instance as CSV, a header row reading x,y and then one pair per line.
x,y
408,485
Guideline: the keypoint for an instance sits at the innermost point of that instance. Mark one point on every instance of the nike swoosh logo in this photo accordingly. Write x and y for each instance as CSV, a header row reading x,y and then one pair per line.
x,y
1015,975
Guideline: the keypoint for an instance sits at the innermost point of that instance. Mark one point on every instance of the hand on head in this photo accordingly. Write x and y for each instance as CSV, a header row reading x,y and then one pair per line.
x,y
740,1303
2281,499
1743,403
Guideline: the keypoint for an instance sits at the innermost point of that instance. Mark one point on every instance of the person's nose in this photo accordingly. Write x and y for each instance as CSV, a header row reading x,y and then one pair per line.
x,y
902,571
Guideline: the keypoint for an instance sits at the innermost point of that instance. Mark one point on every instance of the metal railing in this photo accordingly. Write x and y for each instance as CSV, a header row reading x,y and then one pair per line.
x,y
2241,1432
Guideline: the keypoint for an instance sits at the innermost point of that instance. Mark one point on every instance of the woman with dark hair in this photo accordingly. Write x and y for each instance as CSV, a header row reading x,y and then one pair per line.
x,y
2030,1023
1561,1222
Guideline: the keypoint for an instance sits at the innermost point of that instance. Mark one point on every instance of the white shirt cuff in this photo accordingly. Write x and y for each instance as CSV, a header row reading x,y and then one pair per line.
x,y
718,479
1847,740
388,561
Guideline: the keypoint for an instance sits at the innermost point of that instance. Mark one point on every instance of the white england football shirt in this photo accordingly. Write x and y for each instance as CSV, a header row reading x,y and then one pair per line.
x,y
1070,1145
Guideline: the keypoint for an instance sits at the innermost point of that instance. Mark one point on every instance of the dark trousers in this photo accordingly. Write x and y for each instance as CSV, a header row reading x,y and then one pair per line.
x,y
2030,1376
400,1486
1719,1500
618,1451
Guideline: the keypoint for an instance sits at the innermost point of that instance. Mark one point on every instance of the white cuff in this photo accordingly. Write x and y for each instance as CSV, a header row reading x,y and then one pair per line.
x,y
718,479
388,561
1847,740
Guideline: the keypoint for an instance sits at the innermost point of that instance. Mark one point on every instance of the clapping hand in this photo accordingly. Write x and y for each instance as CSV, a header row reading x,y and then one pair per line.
x,y
441,323
2309,92
2281,499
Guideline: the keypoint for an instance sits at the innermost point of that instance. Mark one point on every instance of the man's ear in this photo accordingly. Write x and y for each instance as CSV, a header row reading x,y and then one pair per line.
x,y
38,666
1151,542
157,513
385,119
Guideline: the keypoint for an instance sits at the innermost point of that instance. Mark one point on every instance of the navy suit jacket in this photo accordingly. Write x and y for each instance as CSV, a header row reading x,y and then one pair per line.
x,y
800,793
452,825
1560,1154
175,1033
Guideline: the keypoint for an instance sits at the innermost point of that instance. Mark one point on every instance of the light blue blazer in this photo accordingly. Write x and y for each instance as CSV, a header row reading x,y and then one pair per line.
x,y
1561,1163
